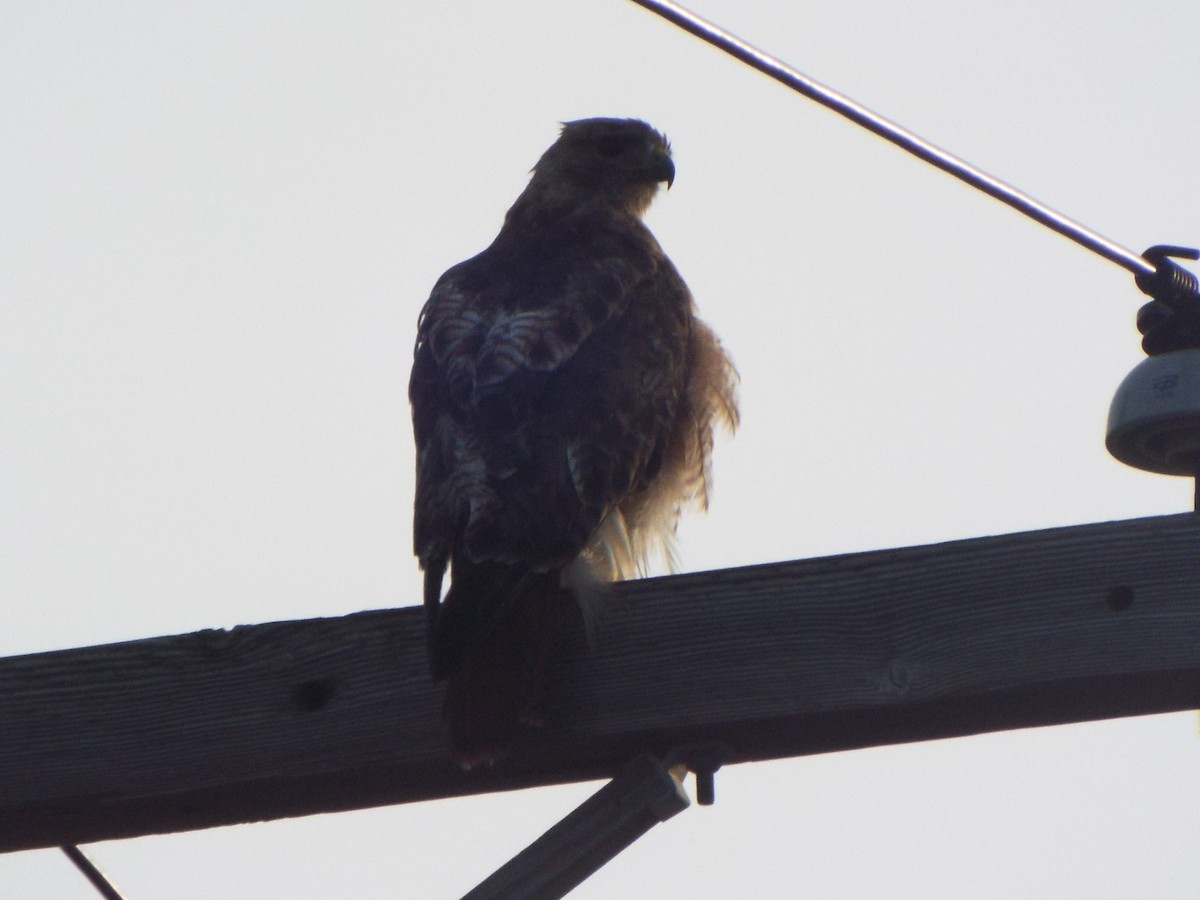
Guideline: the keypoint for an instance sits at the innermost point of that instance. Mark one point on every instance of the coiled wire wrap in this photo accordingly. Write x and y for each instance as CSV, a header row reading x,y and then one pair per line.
x,y
1171,321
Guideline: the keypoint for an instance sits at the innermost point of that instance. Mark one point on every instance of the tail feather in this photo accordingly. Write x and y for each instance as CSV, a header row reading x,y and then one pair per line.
x,y
435,569
492,643
480,596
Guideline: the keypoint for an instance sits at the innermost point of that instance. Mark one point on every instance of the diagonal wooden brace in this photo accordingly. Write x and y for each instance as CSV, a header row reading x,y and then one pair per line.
x,y
642,794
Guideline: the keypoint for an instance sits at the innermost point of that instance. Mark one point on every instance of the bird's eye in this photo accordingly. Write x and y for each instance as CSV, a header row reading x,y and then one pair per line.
x,y
613,146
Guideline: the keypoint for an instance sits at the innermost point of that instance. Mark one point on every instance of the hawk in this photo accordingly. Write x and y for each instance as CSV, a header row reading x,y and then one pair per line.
x,y
564,395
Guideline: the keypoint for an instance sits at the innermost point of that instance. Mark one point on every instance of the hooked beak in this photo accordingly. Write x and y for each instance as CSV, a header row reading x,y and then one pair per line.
x,y
664,170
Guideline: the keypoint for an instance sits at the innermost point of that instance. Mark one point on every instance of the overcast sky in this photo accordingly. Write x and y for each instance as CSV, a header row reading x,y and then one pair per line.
x,y
219,221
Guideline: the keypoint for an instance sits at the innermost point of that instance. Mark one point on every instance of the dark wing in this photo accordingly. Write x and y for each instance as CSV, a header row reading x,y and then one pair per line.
x,y
539,402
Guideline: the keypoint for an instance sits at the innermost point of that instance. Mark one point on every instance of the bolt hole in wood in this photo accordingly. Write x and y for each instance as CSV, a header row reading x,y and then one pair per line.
x,y
313,695
899,677
1119,597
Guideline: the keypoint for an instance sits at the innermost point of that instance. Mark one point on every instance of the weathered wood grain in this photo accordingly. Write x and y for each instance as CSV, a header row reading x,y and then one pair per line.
x,y
292,718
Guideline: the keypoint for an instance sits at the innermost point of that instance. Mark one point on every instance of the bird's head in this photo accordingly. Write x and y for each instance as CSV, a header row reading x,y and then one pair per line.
x,y
616,161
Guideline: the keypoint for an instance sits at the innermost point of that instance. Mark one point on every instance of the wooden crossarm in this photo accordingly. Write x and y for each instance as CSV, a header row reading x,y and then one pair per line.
x,y
762,662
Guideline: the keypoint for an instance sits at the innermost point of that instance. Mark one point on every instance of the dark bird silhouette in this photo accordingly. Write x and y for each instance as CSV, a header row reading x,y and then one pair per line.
x,y
564,396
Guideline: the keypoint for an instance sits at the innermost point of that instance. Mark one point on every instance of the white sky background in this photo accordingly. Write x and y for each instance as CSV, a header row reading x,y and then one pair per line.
x,y
219,221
